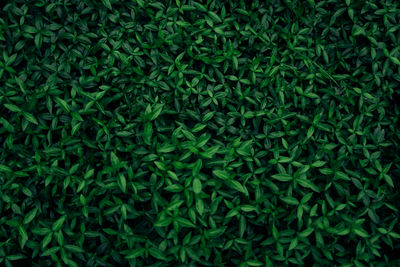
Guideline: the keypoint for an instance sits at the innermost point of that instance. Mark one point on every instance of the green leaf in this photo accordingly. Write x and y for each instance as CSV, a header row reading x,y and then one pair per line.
x,y
62,103
122,182
30,216
174,188
58,224
357,30
51,251
175,205
158,254
24,236
8,126
388,180
310,132
208,116
282,177
394,235
114,159
238,187
163,222
244,148
107,4
216,232
224,175
254,263
29,117
318,163
148,132
6,169
214,16
29,29
361,232
307,184
124,133
184,222
395,60
197,187
173,175
47,239
290,200
15,257
200,206
342,175
198,127
12,108
156,112
293,243
210,152
166,148
306,233
74,249
133,254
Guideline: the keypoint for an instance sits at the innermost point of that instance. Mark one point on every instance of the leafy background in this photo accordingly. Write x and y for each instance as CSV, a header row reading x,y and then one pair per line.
x,y
199,133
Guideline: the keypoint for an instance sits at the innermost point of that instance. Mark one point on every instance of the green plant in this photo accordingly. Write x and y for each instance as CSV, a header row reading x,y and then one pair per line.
x,y
199,133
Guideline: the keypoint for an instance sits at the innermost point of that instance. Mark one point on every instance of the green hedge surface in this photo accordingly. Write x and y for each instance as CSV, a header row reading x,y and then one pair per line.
x,y
199,133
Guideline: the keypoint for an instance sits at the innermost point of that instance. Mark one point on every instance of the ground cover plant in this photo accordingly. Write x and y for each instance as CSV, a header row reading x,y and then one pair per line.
x,y
199,133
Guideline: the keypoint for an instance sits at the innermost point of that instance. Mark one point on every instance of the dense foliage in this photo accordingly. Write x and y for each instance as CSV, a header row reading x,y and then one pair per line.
x,y
199,133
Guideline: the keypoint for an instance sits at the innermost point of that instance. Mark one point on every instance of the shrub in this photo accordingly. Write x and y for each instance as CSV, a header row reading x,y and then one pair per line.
x,y
199,133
